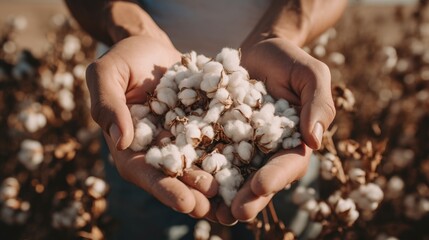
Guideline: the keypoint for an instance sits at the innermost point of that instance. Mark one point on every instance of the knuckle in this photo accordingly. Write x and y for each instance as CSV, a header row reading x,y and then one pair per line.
x,y
331,111
322,69
99,114
90,71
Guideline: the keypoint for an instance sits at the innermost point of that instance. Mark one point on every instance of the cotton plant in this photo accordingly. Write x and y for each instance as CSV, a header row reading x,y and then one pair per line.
x,y
220,120
31,154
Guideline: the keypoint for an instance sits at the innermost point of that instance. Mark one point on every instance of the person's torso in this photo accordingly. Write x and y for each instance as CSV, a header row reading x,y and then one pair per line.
x,y
206,25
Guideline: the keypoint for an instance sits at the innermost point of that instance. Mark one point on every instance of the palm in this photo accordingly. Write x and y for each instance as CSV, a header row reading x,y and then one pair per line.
x,y
125,75
144,60
292,74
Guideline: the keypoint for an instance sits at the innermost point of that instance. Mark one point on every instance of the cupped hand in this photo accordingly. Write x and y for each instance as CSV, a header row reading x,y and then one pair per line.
x,y
124,75
292,74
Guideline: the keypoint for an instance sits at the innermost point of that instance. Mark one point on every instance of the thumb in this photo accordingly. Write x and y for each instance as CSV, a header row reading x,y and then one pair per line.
x,y
108,103
318,110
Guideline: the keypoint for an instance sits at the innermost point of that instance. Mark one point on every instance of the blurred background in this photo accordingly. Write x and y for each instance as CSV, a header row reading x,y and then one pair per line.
x,y
374,163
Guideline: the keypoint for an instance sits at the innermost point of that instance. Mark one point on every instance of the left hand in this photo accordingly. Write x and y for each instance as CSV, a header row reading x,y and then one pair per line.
x,y
292,74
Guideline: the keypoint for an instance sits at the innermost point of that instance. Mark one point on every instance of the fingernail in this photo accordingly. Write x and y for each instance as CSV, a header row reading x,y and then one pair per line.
x,y
230,224
318,132
115,135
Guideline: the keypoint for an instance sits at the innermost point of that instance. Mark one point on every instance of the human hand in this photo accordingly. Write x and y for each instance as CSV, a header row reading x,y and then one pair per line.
x,y
292,74
123,76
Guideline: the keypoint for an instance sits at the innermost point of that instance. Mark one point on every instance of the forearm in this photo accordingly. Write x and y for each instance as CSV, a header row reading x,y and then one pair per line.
x,y
90,16
110,21
298,21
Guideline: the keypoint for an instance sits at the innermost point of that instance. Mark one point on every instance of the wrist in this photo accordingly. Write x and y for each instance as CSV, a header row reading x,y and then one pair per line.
x,y
126,18
283,20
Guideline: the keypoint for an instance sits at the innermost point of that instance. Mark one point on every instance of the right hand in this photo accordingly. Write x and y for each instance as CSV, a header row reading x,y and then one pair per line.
x,y
124,75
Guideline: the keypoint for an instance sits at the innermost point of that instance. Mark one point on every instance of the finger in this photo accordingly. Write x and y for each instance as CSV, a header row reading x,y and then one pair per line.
x,y
201,181
224,215
318,110
202,205
211,215
170,191
105,80
246,204
282,169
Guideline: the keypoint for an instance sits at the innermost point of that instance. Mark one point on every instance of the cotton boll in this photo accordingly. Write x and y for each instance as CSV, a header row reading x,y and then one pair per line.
x,y
154,157
143,135
97,187
263,116
189,153
66,99
244,110
294,119
237,79
238,131
222,95
167,78
208,134
9,188
324,209
213,114
311,206
158,107
188,96
197,120
287,124
172,161
32,117
167,96
181,139
71,46
368,196
197,112
202,60
289,143
260,87
139,111
228,152
214,162
344,205
33,121
346,209
281,105
30,154
177,127
189,60
210,82
227,194
269,132
181,73
327,169
193,134
357,175
303,194
167,81
63,80
213,67
268,99
245,151
229,180
172,165
238,86
193,81
395,187
202,230
172,115
230,59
